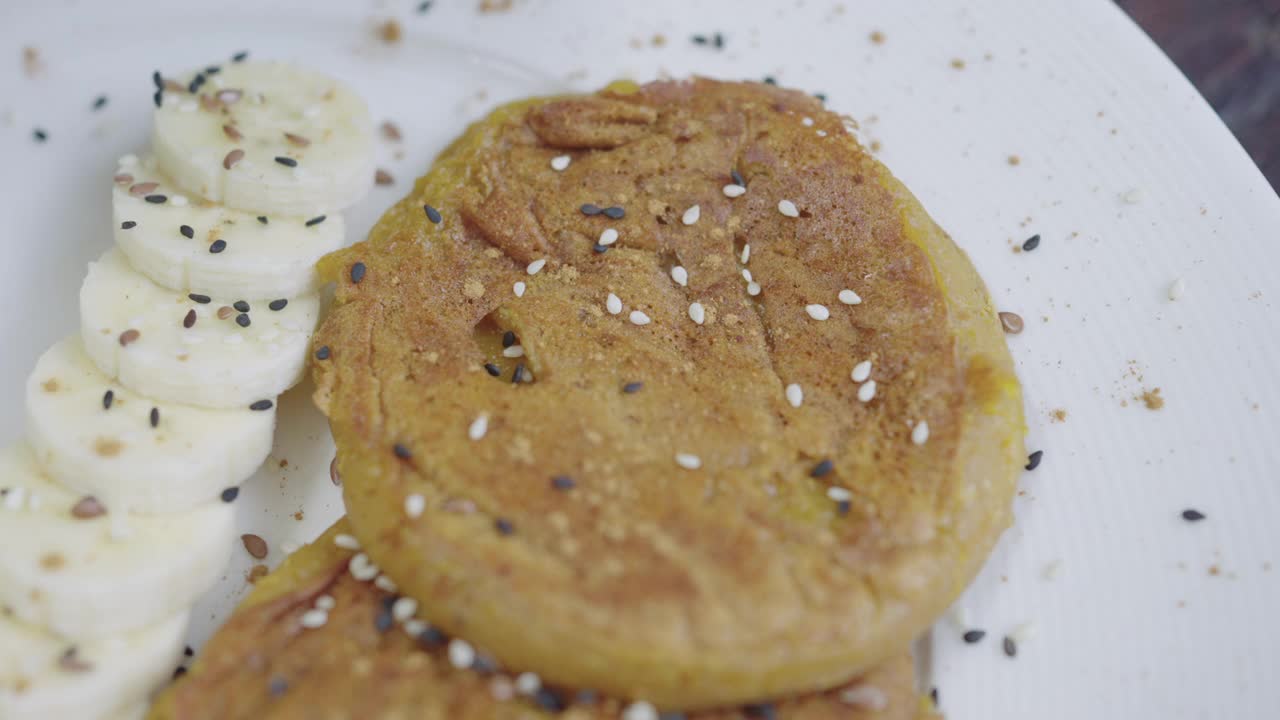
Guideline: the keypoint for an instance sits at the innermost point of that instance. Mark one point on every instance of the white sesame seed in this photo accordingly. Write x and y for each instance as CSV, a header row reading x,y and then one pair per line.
x,y
461,654
404,608
822,133
788,208
326,602
807,122
313,618
733,191
640,710
289,547
861,371
345,541
385,584
680,275
920,433
528,683
414,505
501,688
479,427
535,266
691,215
613,304
608,237
746,253
688,461
1025,631
1177,289
746,275
560,162
839,494
753,288
414,627
817,312
179,201
518,288
514,351
697,313
362,568
849,297
639,318
795,395
865,697
867,391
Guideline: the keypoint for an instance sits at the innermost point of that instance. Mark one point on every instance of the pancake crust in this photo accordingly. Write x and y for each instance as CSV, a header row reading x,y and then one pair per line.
x,y
737,581
262,664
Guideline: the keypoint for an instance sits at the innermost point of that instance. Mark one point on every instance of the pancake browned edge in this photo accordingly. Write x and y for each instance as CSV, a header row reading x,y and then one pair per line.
x,y
362,664
679,541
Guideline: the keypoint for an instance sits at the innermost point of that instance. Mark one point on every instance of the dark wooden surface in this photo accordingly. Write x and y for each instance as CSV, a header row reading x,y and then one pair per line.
x,y
1231,51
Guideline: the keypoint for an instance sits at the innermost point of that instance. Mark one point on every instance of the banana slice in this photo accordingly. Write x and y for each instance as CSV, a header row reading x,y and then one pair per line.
x,y
168,346
98,438
170,242
43,677
268,138
86,575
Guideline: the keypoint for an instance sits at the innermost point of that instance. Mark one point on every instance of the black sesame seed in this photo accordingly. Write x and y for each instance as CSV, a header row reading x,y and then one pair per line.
x,y
432,214
188,651
262,405
1033,460
822,468
158,98
218,246
194,86
508,339
262,219
424,6
974,636
492,369
699,39
230,494
286,161
202,299
158,79
128,225
315,220
383,621
357,272
240,305
590,210
212,70
517,376
187,231
155,199
737,178
243,320
842,507
278,686
933,695
388,602
718,40
402,452
586,697
549,700
671,715
614,212
189,319
240,56
484,664
504,526
99,102
277,305
1192,515
600,248
108,397
155,417
770,80
760,711
432,637
1009,646
322,353
822,97
1032,243
563,482
632,388
179,672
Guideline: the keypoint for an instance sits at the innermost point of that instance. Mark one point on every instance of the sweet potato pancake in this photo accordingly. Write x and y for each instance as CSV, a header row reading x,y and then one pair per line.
x,y
671,391
282,655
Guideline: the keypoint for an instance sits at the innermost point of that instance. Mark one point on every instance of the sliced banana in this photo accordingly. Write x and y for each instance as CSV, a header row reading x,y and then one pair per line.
x,y
96,437
44,677
137,332
85,575
267,137
263,256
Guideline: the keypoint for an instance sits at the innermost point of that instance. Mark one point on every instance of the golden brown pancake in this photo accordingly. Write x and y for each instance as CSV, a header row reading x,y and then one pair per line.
x,y
647,513
263,664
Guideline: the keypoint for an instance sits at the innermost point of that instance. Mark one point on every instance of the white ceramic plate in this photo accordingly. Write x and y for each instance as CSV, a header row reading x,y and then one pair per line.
x,y
1125,173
